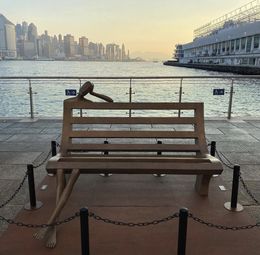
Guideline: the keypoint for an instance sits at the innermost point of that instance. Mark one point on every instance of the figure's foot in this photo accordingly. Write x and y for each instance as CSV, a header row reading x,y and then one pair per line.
x,y
41,233
51,238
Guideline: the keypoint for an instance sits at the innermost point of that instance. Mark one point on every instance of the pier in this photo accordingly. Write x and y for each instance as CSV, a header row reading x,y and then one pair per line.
x,y
131,198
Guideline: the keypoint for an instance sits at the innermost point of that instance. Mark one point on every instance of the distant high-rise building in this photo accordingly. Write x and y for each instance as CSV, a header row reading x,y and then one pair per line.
x,y
69,46
32,33
123,52
83,46
7,38
18,31
25,30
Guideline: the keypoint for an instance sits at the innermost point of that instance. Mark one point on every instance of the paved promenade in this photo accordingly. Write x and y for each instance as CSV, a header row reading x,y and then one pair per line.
x,y
24,141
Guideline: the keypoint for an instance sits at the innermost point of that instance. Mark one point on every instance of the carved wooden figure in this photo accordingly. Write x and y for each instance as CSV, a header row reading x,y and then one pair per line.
x,y
64,189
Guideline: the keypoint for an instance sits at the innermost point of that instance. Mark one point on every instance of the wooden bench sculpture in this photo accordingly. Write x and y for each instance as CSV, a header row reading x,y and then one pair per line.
x,y
123,156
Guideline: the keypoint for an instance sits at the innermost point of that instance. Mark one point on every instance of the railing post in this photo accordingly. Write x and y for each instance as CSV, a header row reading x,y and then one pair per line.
x,y
159,153
230,99
180,97
80,110
31,100
84,230
234,205
182,236
33,204
130,96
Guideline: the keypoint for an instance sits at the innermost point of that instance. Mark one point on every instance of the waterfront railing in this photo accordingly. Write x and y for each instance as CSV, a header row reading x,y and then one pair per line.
x,y
223,96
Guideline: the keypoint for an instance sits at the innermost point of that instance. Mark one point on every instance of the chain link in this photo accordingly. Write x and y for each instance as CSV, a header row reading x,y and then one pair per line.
x,y
27,225
133,224
222,227
45,159
15,192
247,190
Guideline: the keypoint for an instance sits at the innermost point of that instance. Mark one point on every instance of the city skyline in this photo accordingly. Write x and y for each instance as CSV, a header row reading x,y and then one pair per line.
x,y
150,29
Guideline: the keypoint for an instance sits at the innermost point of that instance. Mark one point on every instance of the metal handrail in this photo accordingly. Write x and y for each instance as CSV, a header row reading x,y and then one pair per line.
x,y
180,80
128,77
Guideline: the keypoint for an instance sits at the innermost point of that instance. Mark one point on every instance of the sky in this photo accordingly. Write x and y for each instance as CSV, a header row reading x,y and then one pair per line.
x,y
148,28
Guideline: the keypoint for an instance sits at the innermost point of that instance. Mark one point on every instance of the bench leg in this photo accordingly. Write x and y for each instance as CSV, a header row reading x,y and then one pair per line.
x,y
202,184
63,193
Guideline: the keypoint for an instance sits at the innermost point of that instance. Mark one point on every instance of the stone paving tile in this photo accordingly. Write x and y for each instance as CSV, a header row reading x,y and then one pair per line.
x,y
5,124
234,137
256,135
213,131
4,137
7,188
9,212
18,157
243,158
12,172
25,146
32,137
237,146
51,131
20,130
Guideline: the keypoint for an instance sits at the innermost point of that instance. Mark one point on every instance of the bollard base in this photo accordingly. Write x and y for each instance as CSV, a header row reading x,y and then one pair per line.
x,y
105,175
239,207
28,206
159,175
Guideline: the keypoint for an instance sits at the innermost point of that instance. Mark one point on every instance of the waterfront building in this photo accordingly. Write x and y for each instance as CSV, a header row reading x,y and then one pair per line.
x,y
83,46
123,52
7,38
18,31
69,46
233,39
25,30
32,33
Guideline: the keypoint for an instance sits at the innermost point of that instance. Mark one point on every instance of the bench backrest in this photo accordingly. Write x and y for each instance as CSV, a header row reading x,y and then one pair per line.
x,y
87,133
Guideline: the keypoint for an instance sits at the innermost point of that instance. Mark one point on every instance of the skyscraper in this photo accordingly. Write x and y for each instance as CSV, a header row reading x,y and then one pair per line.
x,y
83,45
69,46
7,38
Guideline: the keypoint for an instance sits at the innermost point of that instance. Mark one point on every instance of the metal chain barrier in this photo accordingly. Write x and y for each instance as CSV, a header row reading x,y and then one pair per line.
x,y
132,224
250,194
222,227
21,224
231,166
15,192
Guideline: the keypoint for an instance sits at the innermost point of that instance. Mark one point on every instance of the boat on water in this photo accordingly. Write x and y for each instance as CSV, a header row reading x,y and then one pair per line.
x,y
232,40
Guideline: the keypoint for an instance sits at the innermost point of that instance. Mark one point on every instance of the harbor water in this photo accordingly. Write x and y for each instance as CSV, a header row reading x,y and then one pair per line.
x,y
48,94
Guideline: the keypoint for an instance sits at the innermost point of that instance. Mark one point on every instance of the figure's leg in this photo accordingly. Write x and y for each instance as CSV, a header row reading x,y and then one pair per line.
x,y
60,184
52,233
62,201
202,184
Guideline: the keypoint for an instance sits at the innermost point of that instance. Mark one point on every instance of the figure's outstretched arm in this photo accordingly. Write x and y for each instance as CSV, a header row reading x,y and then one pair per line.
x,y
88,87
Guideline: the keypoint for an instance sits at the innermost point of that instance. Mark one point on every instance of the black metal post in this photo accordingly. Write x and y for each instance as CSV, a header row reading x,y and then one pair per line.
x,y
33,204
31,186
183,222
235,185
213,148
105,152
53,148
84,229
159,152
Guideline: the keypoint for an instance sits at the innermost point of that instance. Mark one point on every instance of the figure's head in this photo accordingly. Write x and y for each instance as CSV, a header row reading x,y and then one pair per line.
x,y
86,88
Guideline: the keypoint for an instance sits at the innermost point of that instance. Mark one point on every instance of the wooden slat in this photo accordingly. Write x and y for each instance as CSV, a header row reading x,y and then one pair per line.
x,y
133,120
135,147
133,106
132,134
148,159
